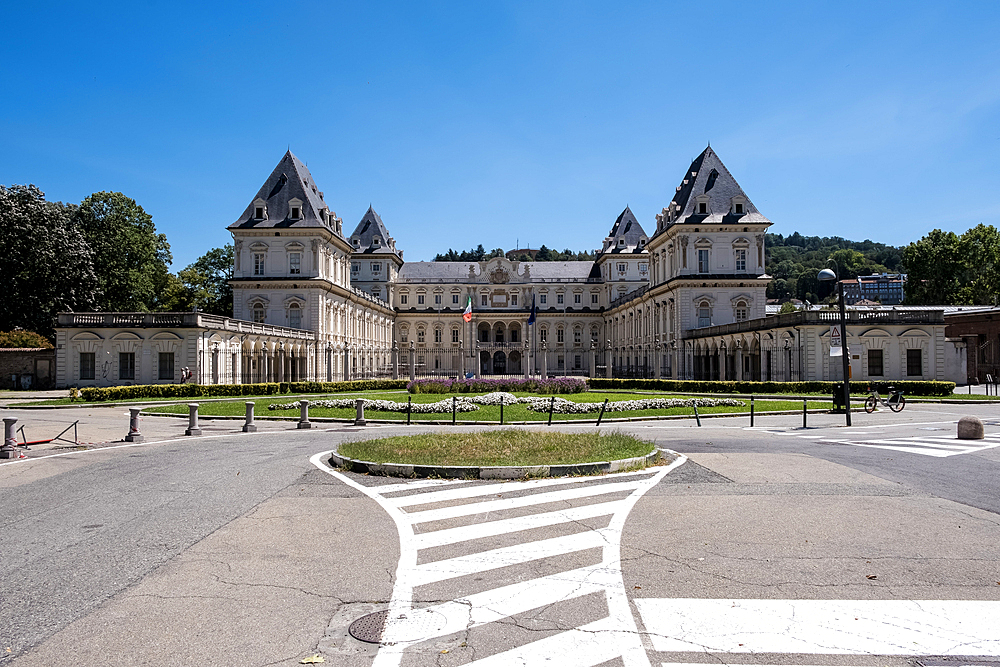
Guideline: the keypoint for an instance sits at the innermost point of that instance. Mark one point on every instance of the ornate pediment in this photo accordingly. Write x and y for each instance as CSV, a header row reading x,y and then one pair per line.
x,y
499,276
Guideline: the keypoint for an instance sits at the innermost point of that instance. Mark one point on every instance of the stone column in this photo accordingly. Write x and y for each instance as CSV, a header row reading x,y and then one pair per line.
x,y
592,371
545,362
133,426
193,428
9,448
476,360
395,361
739,362
249,426
608,359
413,361
347,363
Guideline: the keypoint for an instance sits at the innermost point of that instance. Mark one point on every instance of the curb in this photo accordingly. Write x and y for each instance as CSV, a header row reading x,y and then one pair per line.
x,y
492,472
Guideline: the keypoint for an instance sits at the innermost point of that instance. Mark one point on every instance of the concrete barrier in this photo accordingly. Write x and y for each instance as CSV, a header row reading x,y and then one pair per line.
x,y
193,428
970,428
249,426
133,426
304,415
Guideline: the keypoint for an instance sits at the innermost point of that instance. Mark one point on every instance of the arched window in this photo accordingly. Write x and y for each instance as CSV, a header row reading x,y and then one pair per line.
x,y
741,311
704,314
258,312
295,316
420,335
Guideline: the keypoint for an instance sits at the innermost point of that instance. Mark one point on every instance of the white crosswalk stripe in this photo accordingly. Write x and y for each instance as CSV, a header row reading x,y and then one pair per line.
x,y
925,445
424,518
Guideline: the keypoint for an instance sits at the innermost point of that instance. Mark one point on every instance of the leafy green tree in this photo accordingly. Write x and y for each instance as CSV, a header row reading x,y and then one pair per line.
x,y
128,254
45,263
22,338
787,307
543,254
980,249
935,270
203,284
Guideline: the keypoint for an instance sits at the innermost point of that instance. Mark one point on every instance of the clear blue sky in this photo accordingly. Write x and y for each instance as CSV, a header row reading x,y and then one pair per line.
x,y
475,122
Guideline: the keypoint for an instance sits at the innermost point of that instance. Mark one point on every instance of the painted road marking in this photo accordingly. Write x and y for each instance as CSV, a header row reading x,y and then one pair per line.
x,y
857,627
926,445
612,637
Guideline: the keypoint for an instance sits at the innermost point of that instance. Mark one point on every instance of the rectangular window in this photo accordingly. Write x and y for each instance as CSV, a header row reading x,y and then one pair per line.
x,y
543,335
559,335
420,299
454,335
914,362
485,300
402,299
559,299
622,267
593,298
704,317
437,299
577,337
643,267
703,261
258,263
741,260
376,267
166,366
126,365
294,263
437,335
295,318
86,365
875,362
355,267
420,336
454,299
259,212
577,362
513,299
577,298
561,362
514,335
541,298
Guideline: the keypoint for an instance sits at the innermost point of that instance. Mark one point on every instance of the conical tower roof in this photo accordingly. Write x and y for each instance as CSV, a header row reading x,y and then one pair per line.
x,y
626,234
371,236
289,181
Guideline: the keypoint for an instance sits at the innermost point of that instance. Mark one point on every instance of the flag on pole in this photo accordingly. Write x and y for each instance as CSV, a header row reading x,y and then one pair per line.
x,y
467,315
531,318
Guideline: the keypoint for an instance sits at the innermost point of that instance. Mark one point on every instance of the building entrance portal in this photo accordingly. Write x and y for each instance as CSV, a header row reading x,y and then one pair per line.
x,y
499,363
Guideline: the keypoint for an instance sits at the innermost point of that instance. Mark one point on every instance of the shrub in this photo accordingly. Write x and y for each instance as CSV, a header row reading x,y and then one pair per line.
x,y
22,338
562,385
135,391
858,387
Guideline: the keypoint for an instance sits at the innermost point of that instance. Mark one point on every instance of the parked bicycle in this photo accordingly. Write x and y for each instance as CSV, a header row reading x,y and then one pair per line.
x,y
894,401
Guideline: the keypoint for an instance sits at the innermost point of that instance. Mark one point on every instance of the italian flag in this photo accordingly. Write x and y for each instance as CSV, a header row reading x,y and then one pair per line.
x,y
467,315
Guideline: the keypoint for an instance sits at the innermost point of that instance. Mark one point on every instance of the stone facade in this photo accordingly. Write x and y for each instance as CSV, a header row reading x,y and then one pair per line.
x,y
27,368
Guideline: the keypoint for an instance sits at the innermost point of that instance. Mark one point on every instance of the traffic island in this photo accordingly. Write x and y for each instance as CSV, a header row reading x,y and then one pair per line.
x,y
499,454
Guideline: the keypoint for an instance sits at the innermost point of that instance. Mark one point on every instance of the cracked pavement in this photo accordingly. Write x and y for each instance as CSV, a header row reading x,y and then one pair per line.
x,y
235,549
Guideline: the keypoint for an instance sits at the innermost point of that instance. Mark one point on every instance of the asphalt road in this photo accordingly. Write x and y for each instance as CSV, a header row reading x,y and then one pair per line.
x,y
235,549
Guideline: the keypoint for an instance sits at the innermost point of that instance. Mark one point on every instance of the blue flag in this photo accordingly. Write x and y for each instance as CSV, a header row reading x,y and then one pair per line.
x,y
531,318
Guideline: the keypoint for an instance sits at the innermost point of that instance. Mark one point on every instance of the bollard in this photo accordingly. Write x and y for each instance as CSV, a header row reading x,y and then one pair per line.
x,y
192,428
409,404
804,413
501,410
304,415
751,410
601,416
454,403
359,419
133,426
249,426
552,405
697,418
9,448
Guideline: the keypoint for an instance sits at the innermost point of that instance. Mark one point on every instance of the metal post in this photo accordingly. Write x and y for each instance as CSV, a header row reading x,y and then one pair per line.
x,y
359,419
304,415
697,417
601,416
133,426
409,404
751,410
9,448
552,405
249,426
193,428
804,413
846,359
454,408
501,410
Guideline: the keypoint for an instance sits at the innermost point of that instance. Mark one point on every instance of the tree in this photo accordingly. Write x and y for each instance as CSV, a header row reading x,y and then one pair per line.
x,y
45,262
22,338
787,307
203,284
980,249
128,254
543,254
935,270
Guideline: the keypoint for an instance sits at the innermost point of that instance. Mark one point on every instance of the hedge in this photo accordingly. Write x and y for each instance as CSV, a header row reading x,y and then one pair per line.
x,y
131,392
858,387
562,385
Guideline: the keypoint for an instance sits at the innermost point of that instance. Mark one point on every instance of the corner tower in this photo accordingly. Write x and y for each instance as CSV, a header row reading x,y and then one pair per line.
x,y
375,261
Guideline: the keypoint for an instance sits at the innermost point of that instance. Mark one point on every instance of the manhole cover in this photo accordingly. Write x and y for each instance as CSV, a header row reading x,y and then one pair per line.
x,y
369,627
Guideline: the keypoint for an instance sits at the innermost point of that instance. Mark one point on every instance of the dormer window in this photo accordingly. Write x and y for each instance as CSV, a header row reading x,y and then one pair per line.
x,y
702,207
259,212
738,209
295,209
739,205
376,241
357,242
296,213
259,209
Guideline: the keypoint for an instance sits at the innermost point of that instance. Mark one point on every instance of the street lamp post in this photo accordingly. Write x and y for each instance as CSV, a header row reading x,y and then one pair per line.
x,y
826,275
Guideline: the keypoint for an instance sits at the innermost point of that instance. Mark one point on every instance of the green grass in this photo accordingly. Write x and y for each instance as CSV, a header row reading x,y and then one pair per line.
x,y
512,413
508,447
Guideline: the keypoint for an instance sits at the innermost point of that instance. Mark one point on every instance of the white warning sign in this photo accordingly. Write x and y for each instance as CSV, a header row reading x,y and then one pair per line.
x,y
836,344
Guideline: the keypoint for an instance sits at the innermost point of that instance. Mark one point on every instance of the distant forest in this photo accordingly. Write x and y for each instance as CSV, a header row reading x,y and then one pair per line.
x,y
795,260
544,254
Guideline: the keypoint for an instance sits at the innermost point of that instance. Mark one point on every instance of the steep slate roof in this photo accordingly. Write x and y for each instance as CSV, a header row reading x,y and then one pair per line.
x,y
707,175
366,231
626,228
289,180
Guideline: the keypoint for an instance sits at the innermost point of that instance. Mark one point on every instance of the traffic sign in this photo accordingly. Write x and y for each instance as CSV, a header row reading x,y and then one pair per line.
x,y
836,345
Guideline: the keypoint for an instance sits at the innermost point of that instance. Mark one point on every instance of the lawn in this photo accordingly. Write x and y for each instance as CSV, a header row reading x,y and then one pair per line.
x,y
485,413
508,447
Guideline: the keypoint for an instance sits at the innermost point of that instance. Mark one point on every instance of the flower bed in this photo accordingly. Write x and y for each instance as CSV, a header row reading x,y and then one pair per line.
x,y
563,385
563,407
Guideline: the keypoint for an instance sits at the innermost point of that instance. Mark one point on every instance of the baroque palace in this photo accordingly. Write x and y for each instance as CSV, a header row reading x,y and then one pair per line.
x,y
312,302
